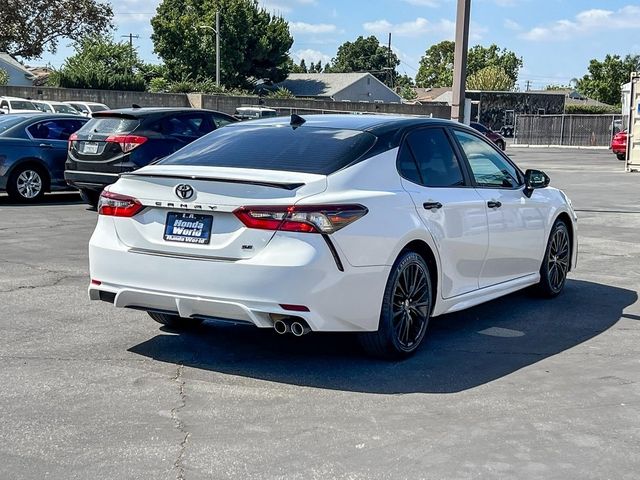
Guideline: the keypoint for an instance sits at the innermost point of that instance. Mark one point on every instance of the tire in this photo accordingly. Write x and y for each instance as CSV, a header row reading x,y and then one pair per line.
x,y
27,184
90,197
403,318
556,262
621,156
174,321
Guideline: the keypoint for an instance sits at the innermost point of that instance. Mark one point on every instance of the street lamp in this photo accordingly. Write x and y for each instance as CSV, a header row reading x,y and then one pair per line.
x,y
217,32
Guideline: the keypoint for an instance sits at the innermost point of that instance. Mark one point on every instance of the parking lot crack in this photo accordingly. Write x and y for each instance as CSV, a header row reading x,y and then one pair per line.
x,y
52,283
178,465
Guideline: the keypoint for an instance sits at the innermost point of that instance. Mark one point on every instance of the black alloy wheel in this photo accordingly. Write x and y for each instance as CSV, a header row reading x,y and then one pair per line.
x,y
557,260
406,309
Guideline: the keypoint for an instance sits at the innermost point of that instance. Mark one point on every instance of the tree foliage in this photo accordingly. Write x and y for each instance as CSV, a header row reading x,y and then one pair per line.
x,y
4,77
99,62
490,78
436,66
605,77
366,55
254,44
30,28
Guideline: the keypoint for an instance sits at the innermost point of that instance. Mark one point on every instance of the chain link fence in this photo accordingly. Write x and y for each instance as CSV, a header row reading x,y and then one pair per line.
x,y
567,130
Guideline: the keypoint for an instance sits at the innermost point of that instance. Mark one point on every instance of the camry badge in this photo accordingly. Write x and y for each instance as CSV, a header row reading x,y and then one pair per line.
x,y
184,191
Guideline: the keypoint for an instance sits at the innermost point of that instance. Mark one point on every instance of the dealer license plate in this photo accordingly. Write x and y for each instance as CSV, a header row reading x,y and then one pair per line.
x,y
188,228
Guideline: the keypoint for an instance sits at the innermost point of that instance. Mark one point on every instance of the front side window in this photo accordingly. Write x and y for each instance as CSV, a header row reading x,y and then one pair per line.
x,y
489,168
428,159
220,121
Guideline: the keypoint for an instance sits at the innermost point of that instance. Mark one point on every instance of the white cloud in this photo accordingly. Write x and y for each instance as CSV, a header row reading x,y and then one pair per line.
x,y
311,28
424,3
419,26
585,22
511,25
310,55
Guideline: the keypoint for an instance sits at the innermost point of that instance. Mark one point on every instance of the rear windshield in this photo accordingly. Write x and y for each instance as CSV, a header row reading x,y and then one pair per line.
x,y
64,109
109,125
306,149
8,121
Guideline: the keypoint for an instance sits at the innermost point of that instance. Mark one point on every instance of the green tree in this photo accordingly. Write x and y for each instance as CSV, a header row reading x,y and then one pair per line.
x,y
99,62
4,77
605,77
492,56
254,43
303,66
490,78
29,28
436,66
367,55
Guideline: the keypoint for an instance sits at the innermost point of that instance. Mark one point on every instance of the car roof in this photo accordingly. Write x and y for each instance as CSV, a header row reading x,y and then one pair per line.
x,y
375,124
148,111
82,102
16,98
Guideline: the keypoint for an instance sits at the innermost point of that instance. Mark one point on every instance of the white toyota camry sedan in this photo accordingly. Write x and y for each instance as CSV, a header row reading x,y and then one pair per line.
x,y
369,224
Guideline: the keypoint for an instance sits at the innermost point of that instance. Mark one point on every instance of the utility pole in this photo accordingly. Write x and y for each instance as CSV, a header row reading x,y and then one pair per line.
x,y
217,48
527,85
389,72
216,30
131,37
460,60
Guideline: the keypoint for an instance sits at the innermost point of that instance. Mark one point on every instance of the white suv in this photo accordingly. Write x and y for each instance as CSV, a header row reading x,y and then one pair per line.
x,y
17,105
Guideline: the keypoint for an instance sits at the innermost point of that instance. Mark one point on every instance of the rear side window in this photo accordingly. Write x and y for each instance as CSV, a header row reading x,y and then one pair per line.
x,y
267,147
64,109
22,105
434,162
194,125
97,108
54,129
108,125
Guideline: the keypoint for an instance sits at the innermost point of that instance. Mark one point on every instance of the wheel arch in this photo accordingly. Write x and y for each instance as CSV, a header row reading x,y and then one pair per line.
x,y
566,219
36,162
423,249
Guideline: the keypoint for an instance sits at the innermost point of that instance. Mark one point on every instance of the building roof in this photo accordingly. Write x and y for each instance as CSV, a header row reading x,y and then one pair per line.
x,y
9,60
320,84
430,94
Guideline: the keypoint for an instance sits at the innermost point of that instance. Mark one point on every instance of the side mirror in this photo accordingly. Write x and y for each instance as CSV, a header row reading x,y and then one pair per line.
x,y
535,179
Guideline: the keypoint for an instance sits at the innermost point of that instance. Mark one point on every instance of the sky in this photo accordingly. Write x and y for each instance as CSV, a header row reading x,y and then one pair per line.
x,y
555,38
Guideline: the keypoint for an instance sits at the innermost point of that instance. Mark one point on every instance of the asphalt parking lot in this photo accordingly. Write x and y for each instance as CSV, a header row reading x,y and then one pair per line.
x,y
516,388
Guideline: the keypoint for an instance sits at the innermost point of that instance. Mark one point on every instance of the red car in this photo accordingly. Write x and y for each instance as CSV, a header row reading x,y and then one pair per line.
x,y
619,145
495,137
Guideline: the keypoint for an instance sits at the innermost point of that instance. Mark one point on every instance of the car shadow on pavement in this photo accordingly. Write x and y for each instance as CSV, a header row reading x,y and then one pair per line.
x,y
62,198
462,350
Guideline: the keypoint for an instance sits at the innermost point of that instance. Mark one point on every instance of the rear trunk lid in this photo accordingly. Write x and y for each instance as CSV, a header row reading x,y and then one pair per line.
x,y
95,147
217,192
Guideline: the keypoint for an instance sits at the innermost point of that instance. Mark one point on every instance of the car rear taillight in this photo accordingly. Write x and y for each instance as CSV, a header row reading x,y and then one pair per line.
x,y
301,218
127,142
118,205
72,138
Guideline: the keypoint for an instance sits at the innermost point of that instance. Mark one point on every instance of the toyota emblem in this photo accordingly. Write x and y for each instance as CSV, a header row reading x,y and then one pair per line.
x,y
184,191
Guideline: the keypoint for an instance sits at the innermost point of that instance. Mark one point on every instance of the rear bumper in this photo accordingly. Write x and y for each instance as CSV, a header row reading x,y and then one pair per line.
x,y
90,180
618,148
294,269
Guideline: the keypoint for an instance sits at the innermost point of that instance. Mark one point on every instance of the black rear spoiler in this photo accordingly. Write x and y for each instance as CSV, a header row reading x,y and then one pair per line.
x,y
282,185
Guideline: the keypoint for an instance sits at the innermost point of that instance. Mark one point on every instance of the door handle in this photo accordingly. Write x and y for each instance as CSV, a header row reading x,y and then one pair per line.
x,y
494,204
431,205
46,145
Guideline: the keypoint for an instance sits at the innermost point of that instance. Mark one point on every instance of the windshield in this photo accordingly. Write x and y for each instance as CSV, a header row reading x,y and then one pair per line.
x,y
276,147
8,121
22,105
98,108
64,109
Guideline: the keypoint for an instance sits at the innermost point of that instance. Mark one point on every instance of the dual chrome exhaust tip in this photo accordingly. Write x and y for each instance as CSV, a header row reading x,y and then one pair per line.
x,y
295,327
